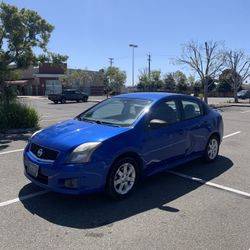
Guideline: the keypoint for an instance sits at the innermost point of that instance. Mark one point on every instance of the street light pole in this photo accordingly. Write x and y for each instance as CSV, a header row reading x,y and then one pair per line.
x,y
133,63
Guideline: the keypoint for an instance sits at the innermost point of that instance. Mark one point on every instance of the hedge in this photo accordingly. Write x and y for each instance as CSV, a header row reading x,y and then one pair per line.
x,y
17,116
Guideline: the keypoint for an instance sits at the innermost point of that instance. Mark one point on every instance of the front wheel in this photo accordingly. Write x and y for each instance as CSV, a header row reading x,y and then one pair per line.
x,y
63,100
212,149
123,178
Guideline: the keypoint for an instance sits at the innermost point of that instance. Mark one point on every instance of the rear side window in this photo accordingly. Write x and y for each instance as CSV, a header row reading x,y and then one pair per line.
x,y
191,109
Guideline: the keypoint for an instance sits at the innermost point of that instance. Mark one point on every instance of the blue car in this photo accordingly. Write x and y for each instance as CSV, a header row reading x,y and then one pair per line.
x,y
115,143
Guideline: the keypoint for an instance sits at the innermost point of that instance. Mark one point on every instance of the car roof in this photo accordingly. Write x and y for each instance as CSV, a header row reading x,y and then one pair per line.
x,y
147,95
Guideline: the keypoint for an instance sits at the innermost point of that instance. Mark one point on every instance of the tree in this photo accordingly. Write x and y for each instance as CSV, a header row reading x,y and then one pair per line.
x,y
190,80
225,81
78,76
169,82
144,81
181,81
21,31
205,60
114,80
152,84
155,80
239,65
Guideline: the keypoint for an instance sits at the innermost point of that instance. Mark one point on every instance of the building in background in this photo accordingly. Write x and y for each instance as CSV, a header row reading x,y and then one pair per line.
x,y
48,79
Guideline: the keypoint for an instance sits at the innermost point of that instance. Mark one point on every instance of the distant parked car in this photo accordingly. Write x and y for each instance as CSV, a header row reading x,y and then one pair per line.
x,y
244,94
114,144
69,95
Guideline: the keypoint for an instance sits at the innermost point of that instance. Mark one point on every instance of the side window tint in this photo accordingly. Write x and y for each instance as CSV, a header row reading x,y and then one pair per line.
x,y
166,111
191,109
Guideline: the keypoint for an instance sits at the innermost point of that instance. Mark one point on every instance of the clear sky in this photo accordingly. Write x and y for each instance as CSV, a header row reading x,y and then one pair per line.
x,y
91,31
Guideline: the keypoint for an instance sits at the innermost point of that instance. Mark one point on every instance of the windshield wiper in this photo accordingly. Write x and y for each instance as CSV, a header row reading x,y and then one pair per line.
x,y
98,121
108,123
85,119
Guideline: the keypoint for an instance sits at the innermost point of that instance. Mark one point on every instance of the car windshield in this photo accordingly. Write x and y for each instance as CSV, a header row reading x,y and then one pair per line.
x,y
116,111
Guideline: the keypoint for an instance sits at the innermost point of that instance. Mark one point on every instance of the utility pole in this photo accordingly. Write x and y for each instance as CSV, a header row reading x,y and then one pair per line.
x,y
133,62
149,69
111,60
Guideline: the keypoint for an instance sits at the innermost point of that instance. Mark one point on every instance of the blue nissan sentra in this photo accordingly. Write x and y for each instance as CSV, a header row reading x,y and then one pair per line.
x,y
115,143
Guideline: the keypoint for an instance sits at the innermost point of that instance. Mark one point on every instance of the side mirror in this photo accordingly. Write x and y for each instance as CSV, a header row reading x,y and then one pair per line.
x,y
157,123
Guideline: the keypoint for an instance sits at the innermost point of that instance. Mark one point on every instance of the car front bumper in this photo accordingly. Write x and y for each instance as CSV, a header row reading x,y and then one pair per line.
x,y
66,178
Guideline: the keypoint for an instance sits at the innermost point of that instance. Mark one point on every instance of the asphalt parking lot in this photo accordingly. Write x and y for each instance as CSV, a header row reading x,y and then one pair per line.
x,y
195,206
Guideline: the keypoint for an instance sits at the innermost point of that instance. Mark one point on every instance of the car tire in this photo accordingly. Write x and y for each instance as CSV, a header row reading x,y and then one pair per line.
x,y
85,99
212,149
77,101
55,102
122,178
63,100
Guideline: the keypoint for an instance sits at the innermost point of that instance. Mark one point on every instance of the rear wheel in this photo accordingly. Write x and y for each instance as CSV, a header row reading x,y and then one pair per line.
x,y
63,100
85,99
123,178
212,149
55,102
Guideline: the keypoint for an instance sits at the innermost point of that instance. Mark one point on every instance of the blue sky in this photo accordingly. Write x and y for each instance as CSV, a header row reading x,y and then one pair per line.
x,y
91,31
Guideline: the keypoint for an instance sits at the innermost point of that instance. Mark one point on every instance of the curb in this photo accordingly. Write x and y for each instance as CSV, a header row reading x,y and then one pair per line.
x,y
18,131
229,105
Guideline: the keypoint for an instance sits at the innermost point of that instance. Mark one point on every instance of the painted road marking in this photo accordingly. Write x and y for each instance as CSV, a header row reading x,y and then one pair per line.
x,y
226,136
11,151
211,184
242,112
22,198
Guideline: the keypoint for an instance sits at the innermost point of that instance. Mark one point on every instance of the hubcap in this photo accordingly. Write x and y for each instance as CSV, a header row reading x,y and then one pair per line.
x,y
124,178
212,149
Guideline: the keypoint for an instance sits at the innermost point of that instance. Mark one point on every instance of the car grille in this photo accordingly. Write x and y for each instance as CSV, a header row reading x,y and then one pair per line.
x,y
43,153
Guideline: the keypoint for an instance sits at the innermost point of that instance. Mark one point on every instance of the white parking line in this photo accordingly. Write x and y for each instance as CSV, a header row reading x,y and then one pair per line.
x,y
226,136
22,198
11,151
211,184
242,112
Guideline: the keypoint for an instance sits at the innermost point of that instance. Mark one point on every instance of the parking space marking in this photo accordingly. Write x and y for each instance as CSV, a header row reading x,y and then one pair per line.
x,y
235,133
242,112
22,198
211,184
11,151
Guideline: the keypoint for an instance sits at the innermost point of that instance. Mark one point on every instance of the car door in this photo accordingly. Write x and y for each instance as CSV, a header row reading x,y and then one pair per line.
x,y
197,125
78,95
167,143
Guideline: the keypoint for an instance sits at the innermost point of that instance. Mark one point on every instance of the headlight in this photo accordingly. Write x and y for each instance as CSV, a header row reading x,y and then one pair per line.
x,y
83,152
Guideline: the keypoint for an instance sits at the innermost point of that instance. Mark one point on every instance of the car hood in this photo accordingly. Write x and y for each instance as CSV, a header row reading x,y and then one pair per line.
x,y
71,133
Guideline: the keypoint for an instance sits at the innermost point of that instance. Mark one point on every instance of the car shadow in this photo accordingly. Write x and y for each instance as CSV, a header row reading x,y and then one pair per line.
x,y
68,102
93,211
6,139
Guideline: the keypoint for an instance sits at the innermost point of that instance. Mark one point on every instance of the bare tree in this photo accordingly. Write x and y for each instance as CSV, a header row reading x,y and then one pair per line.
x,y
205,60
239,65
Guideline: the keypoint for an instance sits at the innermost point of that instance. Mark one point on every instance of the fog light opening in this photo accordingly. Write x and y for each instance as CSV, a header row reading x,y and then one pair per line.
x,y
71,183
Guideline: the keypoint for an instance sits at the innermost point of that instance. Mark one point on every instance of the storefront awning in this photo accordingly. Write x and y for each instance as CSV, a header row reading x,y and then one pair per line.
x,y
18,82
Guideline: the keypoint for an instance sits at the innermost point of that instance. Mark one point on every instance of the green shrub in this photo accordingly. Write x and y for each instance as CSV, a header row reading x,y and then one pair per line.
x,y
17,115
